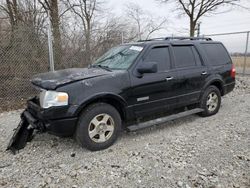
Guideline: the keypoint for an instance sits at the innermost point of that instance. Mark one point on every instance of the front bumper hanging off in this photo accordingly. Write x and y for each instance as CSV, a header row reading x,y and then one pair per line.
x,y
35,119
23,133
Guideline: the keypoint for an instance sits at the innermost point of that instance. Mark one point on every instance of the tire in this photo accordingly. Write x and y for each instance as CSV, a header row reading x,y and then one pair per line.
x,y
98,126
213,95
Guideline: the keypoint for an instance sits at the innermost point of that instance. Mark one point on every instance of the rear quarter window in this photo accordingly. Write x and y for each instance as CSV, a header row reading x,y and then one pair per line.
x,y
216,54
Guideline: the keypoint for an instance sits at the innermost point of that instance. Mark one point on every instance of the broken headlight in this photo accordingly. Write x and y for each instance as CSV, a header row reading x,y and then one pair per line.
x,y
53,98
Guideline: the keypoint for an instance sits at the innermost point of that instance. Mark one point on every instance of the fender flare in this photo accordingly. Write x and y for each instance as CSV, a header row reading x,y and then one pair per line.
x,y
101,96
210,81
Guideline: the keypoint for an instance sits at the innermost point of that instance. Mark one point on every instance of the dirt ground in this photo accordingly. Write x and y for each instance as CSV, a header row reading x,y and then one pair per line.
x,y
188,152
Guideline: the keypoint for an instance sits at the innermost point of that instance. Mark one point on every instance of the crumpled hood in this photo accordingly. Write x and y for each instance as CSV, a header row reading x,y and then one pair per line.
x,y
52,80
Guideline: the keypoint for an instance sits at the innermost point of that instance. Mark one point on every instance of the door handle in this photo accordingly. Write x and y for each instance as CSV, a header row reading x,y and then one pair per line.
x,y
169,78
204,73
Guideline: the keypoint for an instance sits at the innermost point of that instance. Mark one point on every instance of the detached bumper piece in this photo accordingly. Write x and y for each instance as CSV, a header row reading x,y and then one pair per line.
x,y
23,133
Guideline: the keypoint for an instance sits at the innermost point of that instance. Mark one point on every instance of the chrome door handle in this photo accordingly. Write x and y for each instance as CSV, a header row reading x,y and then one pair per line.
x,y
169,78
204,73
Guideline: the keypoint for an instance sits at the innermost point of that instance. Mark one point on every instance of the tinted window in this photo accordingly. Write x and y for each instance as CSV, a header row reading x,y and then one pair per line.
x,y
184,56
159,55
217,54
197,56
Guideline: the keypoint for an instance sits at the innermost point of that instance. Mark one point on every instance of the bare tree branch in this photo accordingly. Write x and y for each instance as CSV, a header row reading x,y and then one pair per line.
x,y
195,9
145,23
85,10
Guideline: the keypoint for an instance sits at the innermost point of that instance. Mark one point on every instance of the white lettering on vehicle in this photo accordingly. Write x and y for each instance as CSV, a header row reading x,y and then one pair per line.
x,y
142,99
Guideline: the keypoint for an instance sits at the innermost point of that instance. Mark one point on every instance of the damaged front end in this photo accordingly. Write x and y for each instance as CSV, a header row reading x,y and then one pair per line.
x,y
56,120
55,110
24,132
28,126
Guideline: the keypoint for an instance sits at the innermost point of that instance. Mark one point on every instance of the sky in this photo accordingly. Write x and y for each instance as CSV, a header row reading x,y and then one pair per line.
x,y
234,20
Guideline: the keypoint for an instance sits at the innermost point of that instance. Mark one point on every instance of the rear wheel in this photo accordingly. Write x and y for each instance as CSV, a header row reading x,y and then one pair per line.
x,y
98,126
210,101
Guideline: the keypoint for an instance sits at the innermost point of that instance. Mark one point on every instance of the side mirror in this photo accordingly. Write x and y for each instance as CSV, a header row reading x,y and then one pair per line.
x,y
147,67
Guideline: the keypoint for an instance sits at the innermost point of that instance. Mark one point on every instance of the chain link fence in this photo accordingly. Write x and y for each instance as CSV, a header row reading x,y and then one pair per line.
x,y
237,43
24,52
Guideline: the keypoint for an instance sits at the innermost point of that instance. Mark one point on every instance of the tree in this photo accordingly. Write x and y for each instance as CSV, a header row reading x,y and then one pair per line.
x,y
195,9
23,16
51,6
145,23
12,11
86,11
112,33
18,12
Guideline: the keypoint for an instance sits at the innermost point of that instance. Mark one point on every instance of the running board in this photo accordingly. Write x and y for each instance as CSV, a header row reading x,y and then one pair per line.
x,y
163,119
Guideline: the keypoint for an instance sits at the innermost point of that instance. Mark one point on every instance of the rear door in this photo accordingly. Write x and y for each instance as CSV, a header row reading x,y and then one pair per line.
x,y
191,73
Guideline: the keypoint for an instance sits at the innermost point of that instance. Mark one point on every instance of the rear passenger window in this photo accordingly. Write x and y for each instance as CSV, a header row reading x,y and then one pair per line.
x,y
161,56
217,54
184,56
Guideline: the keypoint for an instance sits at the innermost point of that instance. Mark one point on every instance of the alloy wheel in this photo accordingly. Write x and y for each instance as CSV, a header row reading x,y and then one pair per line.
x,y
212,101
101,128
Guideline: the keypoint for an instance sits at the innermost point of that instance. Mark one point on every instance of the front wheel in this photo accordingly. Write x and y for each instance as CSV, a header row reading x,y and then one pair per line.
x,y
210,101
98,126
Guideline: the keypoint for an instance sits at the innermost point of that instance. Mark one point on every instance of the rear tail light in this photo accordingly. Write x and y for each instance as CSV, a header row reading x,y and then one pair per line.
x,y
233,71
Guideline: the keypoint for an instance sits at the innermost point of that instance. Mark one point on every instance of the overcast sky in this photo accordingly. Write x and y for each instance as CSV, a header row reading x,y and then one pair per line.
x,y
232,21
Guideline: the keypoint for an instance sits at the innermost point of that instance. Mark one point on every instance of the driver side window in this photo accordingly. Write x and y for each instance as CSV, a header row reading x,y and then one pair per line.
x,y
161,56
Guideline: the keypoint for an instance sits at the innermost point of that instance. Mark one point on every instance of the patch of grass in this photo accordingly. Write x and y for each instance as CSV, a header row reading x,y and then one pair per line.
x,y
239,61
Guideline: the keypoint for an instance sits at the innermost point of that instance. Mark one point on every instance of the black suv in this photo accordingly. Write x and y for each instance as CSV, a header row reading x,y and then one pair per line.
x,y
131,84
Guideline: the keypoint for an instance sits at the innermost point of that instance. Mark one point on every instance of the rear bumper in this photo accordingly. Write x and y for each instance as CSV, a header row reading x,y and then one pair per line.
x,y
228,88
55,120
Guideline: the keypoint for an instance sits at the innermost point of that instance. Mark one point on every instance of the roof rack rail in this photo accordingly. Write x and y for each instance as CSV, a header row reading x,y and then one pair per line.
x,y
178,38
163,38
188,38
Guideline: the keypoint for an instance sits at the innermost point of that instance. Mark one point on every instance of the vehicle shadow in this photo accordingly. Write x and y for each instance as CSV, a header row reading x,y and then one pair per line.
x,y
45,141
163,126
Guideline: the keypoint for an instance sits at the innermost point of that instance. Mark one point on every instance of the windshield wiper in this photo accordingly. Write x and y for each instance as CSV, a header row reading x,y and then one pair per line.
x,y
102,67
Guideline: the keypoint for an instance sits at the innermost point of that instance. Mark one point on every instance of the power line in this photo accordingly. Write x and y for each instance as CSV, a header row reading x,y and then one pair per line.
x,y
231,33
225,25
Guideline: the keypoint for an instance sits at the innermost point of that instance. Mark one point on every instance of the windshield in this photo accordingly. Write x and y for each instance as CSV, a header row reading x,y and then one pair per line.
x,y
120,57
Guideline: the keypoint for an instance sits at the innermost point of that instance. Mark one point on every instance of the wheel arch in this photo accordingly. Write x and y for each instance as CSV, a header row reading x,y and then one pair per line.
x,y
219,85
114,100
217,82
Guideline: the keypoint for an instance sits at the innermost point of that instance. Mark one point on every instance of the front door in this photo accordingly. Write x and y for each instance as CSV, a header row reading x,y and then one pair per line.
x,y
152,92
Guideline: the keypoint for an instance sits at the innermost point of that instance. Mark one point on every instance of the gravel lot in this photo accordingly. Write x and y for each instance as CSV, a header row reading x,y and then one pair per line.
x,y
189,152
